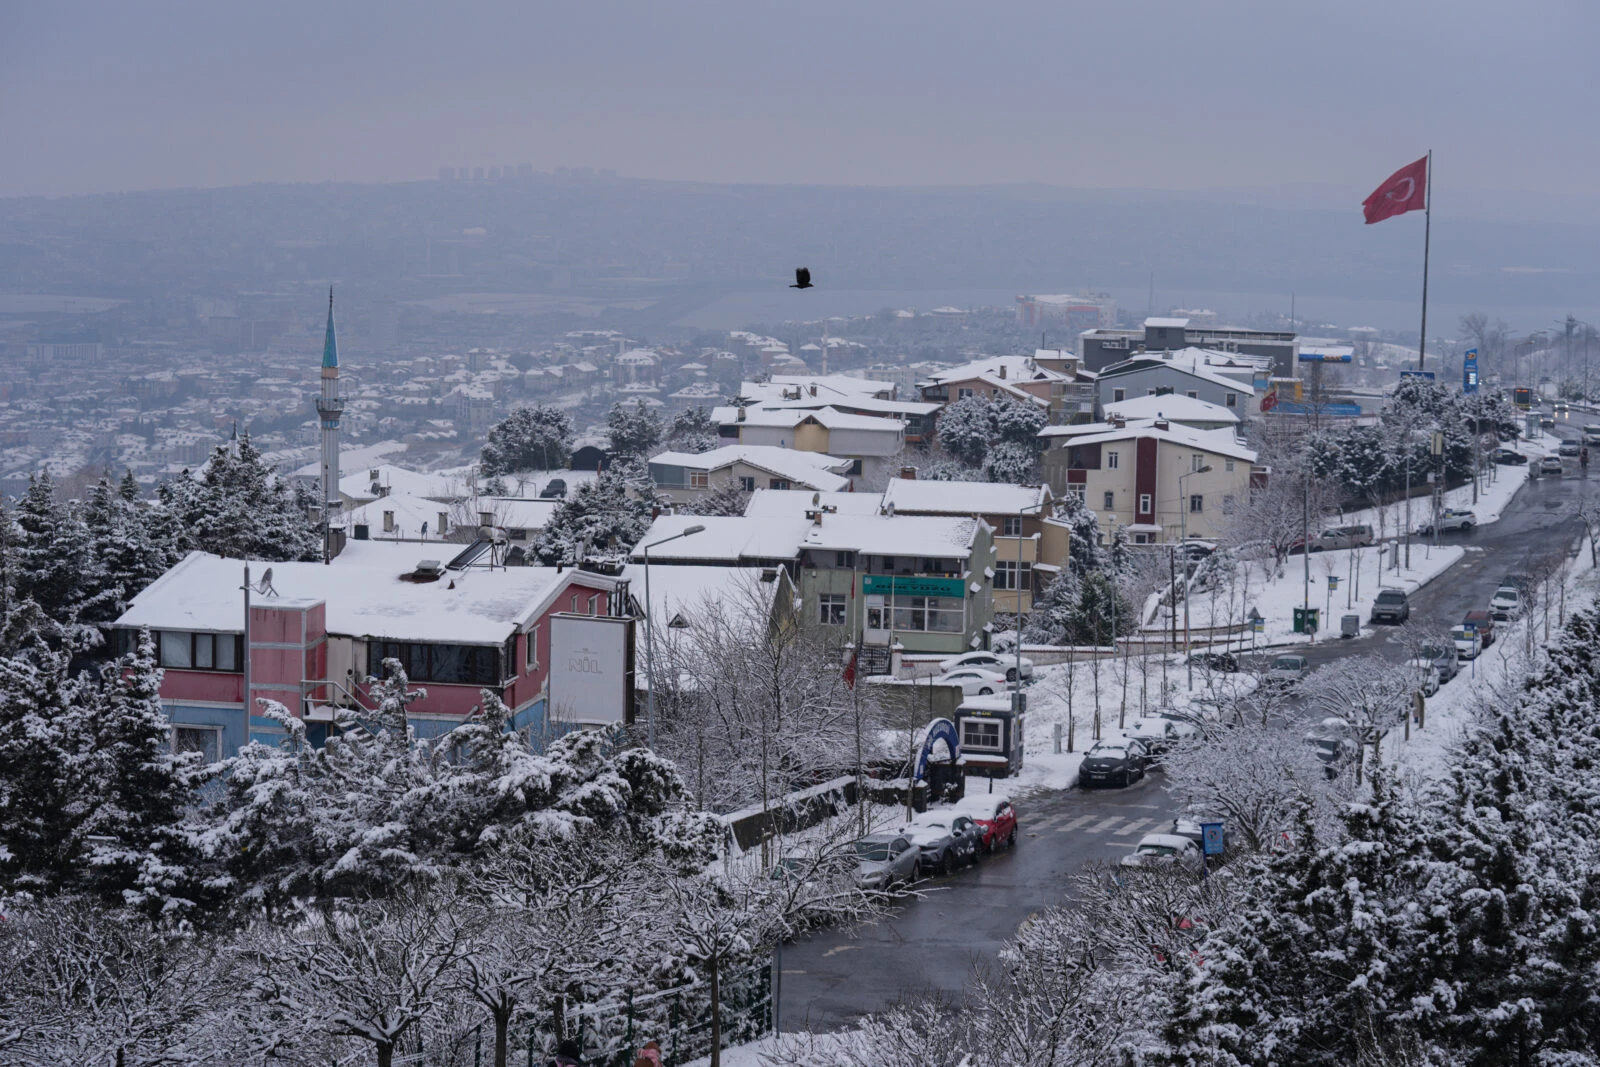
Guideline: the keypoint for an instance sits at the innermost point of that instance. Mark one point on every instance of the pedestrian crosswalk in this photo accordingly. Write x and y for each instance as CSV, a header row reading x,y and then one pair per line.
x,y
1098,824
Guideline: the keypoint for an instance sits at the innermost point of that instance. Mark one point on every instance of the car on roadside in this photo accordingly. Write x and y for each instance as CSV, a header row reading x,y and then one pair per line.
x,y
1358,535
1508,457
1392,606
1226,662
974,681
885,860
995,816
1427,676
998,662
1157,734
1483,622
1333,741
554,489
1443,658
1570,449
1506,604
1287,669
1155,850
1550,465
1468,642
1451,519
945,839
1111,762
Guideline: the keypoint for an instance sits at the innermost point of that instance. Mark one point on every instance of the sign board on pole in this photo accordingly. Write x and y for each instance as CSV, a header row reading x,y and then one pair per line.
x,y
591,669
1333,583
1211,839
1522,396
1258,626
1469,371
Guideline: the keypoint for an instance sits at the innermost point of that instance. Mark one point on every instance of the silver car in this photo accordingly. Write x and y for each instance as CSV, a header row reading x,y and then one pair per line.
x,y
886,860
1288,669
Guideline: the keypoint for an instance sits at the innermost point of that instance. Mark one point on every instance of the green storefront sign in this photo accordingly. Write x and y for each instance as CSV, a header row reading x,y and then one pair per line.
x,y
901,585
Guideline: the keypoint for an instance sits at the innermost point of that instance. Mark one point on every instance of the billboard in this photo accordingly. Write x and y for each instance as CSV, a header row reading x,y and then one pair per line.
x,y
591,669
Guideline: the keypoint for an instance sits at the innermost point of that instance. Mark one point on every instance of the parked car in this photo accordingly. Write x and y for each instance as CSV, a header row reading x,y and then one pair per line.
x,y
1156,849
1159,734
1356,536
1392,605
554,489
1113,763
1443,658
1591,434
1570,449
1508,457
974,681
1333,742
1550,465
1451,519
996,818
886,860
945,839
1483,622
1468,642
1427,675
989,661
1506,603
1215,661
1288,669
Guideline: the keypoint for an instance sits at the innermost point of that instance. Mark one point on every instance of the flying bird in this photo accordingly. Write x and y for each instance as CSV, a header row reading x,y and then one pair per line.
x,y
802,278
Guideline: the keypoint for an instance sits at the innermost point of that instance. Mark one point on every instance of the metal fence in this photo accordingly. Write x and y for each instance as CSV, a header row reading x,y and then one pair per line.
x,y
678,1019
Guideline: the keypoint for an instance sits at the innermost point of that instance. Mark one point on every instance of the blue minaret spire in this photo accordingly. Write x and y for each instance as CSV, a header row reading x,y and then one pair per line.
x,y
330,406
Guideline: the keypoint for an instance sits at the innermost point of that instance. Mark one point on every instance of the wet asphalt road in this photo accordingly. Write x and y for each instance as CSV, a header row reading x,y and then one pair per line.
x,y
932,943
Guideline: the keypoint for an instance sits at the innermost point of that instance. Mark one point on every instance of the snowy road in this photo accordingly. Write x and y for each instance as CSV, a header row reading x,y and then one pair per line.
x,y
933,943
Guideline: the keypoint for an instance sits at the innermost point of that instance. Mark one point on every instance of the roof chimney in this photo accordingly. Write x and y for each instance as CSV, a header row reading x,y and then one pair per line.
x,y
741,414
908,473
1002,370
1119,422
1161,424
813,388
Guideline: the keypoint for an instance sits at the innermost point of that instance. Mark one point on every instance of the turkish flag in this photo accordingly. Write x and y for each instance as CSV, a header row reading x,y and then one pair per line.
x,y
1406,190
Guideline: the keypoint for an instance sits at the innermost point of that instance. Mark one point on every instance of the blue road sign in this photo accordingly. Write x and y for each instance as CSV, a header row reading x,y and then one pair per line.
x,y
1469,371
1211,838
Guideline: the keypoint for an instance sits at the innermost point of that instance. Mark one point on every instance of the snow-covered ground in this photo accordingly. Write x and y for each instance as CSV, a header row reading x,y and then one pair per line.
x,y
1275,596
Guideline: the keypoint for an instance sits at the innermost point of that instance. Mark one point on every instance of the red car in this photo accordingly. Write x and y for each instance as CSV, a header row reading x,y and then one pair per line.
x,y
996,818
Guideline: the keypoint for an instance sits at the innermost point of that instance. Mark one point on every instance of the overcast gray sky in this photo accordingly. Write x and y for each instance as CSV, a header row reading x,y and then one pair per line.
x,y
1145,93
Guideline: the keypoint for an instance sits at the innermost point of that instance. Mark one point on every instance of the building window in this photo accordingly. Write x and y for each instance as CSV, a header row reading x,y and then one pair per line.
x,y
533,648
981,734
448,664
1228,466
206,740
1197,503
1118,395
747,485
1232,400
854,468
962,394
1011,526
1144,503
928,614
1111,499
1196,461
830,609
594,604
844,559
1013,574
699,479
1192,395
1113,460
185,651
1228,504
778,483
1078,490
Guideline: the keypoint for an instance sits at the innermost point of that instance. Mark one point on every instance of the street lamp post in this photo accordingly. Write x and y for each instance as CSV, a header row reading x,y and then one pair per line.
x,y
1183,536
650,631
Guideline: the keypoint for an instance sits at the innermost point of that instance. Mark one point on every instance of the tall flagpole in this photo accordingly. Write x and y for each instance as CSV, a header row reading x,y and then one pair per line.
x,y
1427,237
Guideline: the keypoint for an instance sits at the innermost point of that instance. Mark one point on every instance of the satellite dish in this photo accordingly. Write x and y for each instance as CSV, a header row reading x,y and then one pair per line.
x,y
265,585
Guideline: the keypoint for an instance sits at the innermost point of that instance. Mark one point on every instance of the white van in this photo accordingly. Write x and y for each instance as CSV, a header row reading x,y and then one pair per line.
x,y
1591,434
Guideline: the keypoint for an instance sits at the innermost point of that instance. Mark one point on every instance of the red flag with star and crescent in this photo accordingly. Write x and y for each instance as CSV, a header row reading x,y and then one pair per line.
x,y
1405,190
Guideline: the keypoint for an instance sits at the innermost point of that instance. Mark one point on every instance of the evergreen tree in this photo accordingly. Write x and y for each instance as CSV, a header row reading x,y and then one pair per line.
x,y
692,431
240,509
1052,618
1017,421
536,438
1084,548
726,497
56,566
965,430
1013,463
635,430
609,514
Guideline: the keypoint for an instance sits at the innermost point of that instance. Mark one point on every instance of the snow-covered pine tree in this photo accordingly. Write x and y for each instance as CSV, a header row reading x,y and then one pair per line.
x,y
1051,620
726,497
1017,421
241,509
1084,548
609,514
1012,462
57,567
692,431
528,439
634,429
965,430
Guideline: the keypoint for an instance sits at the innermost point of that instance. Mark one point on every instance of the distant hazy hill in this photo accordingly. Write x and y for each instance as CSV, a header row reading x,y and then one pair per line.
x,y
617,237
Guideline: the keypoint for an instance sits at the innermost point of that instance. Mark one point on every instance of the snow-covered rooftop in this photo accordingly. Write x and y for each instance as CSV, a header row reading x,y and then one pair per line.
x,y
916,496
814,469
794,503
1171,406
364,594
897,535
1221,442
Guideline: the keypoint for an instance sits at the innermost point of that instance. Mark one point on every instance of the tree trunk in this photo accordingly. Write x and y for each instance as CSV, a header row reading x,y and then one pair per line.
x,y
716,1012
502,1024
385,1053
